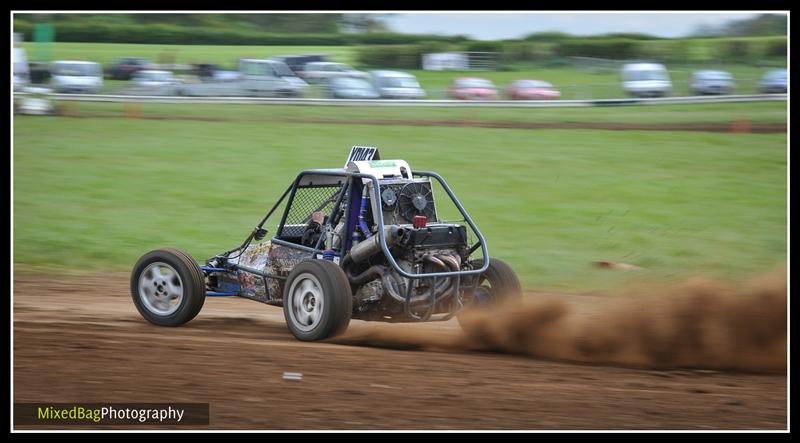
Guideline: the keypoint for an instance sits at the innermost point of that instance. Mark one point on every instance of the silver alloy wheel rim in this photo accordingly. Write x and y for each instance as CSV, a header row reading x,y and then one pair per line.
x,y
305,302
160,288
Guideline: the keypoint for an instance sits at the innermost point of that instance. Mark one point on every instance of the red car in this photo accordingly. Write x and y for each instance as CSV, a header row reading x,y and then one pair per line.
x,y
471,88
532,90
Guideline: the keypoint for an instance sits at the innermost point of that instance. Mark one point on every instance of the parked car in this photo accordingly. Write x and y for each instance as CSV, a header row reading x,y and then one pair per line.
x,y
712,83
124,68
774,82
76,77
151,78
39,72
297,62
271,68
318,71
21,70
255,78
471,88
532,90
209,72
396,84
225,75
204,71
646,80
350,87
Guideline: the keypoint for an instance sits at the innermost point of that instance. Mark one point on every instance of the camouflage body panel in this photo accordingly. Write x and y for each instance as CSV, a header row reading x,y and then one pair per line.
x,y
282,259
256,256
271,259
251,285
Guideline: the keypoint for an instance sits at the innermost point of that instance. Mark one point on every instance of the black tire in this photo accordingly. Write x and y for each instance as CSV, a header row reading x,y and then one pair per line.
x,y
497,285
190,284
327,290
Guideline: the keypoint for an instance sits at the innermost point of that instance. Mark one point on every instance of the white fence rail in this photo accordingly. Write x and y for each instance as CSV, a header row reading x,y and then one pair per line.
x,y
416,103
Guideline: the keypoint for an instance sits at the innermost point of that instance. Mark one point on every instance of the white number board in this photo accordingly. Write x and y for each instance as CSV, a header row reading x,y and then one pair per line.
x,y
362,153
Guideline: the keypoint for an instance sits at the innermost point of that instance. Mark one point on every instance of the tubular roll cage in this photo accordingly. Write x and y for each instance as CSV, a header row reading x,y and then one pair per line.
x,y
351,176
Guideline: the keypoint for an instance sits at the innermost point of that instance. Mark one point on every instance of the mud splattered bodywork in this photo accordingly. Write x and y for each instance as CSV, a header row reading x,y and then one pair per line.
x,y
274,261
253,285
282,259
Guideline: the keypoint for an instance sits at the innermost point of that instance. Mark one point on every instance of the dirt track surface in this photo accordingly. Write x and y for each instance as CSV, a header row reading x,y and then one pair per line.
x,y
80,339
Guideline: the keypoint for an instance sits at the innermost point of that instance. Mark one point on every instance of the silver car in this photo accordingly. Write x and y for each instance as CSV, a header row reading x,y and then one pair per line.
x,y
154,82
259,78
774,82
350,88
712,83
397,85
316,72
153,78
76,77
255,69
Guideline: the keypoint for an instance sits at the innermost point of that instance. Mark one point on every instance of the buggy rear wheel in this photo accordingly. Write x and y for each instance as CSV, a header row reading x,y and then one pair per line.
x,y
498,284
167,286
317,300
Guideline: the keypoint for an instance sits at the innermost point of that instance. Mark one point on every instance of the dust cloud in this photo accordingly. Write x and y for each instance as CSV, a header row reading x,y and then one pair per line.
x,y
701,323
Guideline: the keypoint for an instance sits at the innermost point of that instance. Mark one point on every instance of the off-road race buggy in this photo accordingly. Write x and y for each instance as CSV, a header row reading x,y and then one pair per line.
x,y
364,241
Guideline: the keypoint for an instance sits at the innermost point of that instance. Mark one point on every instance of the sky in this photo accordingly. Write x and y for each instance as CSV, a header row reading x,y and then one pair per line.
x,y
485,25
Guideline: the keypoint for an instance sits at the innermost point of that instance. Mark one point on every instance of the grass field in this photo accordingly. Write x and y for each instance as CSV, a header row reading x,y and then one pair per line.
x,y
95,193
573,83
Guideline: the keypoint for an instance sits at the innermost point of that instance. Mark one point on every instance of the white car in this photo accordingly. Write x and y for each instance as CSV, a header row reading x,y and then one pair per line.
x,y
76,77
397,85
646,80
316,72
21,70
153,78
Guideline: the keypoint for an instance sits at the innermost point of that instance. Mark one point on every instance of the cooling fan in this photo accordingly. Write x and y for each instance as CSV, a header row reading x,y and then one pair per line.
x,y
389,198
415,199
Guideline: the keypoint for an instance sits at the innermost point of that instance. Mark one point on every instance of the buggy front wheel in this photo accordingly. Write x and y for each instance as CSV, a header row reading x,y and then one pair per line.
x,y
167,286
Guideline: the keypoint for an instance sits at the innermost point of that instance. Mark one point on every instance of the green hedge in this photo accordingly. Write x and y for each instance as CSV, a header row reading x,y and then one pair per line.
x,y
731,50
376,38
776,48
613,48
735,50
484,46
182,35
394,56
405,50
726,50
171,34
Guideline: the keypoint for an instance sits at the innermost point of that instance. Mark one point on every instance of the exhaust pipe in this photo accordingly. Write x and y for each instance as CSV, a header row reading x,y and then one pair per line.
x,y
372,246
453,263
